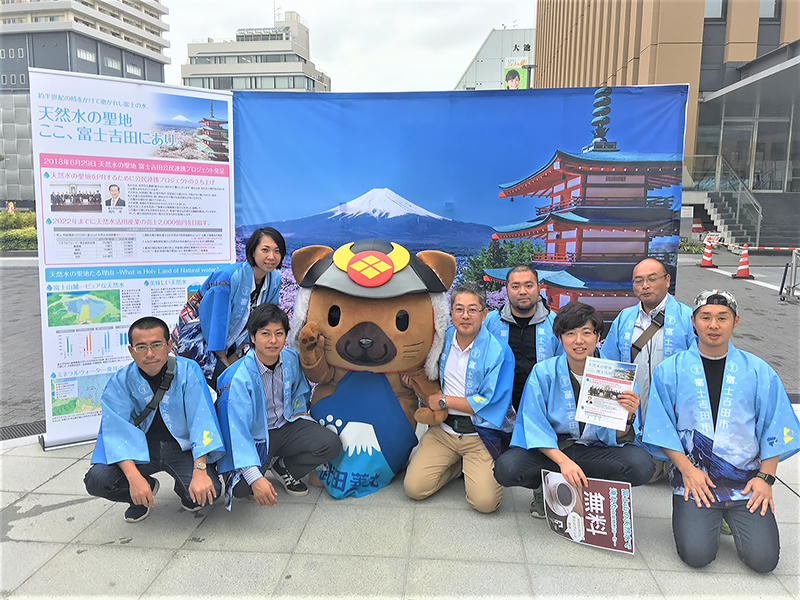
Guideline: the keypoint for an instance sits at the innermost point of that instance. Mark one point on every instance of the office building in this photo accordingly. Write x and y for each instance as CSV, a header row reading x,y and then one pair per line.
x,y
741,59
101,37
262,58
503,50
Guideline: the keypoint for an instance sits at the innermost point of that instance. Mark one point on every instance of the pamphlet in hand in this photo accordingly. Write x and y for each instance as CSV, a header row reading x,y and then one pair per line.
x,y
599,514
602,382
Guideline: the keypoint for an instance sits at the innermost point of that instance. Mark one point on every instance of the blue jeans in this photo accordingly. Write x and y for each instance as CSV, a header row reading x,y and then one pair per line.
x,y
629,463
109,482
697,530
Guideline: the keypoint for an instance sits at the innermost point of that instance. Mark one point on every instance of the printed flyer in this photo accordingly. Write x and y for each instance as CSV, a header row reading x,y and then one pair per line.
x,y
602,382
134,185
599,514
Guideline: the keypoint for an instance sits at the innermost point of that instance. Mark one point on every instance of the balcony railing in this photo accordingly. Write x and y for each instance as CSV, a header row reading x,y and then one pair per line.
x,y
626,201
713,173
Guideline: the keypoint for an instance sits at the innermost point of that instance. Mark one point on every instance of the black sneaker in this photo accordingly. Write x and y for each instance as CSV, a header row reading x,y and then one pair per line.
x,y
293,487
537,506
137,512
189,506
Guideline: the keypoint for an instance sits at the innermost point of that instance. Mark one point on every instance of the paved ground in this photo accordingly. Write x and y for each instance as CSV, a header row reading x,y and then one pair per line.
x,y
55,541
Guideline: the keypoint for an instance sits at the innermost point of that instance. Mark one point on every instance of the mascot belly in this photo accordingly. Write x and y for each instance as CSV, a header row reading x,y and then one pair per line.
x,y
367,317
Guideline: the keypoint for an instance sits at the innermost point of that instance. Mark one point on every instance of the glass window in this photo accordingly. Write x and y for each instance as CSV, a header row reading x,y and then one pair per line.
x,y
770,160
246,59
274,58
86,55
13,79
715,9
769,9
112,63
281,82
267,82
3,79
2,53
241,83
225,83
10,53
134,69
231,60
299,82
20,53
793,185
22,78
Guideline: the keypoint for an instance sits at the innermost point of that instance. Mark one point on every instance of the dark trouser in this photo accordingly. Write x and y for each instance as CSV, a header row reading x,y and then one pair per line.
x,y
304,445
697,530
628,463
109,482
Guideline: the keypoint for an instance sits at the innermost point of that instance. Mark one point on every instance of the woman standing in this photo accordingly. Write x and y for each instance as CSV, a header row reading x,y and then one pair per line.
x,y
212,327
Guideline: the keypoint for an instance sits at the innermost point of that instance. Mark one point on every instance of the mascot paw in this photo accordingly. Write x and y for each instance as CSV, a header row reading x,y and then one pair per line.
x,y
426,416
310,338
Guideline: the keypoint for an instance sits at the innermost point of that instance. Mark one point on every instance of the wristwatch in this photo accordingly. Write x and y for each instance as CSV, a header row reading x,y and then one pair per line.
x,y
770,479
631,419
443,402
200,466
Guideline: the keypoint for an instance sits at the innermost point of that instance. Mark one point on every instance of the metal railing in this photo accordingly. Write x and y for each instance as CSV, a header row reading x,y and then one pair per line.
x,y
615,201
713,173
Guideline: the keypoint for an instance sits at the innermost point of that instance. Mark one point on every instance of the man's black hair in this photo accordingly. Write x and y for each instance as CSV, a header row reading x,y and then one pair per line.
x,y
263,315
523,269
469,287
113,185
574,315
255,240
146,324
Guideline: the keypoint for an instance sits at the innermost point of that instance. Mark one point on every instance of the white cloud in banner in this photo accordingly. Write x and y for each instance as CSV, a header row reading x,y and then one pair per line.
x,y
363,45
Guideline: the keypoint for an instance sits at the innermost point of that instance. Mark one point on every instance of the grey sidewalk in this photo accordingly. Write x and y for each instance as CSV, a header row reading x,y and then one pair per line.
x,y
57,541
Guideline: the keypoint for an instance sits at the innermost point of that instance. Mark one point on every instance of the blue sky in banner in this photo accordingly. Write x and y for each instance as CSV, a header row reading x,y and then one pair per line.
x,y
298,154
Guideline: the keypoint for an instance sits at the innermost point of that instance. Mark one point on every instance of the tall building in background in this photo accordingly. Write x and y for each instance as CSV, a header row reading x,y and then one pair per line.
x,y
741,59
262,58
101,37
503,51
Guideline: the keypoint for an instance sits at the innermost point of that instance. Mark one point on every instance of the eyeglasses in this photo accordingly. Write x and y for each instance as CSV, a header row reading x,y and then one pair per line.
x,y
155,347
471,311
650,279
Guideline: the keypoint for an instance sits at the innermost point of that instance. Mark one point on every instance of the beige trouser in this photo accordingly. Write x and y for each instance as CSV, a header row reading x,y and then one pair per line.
x,y
441,457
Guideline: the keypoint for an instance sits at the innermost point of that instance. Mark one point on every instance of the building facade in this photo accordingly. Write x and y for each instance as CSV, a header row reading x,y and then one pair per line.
x,y
100,37
503,51
265,58
741,59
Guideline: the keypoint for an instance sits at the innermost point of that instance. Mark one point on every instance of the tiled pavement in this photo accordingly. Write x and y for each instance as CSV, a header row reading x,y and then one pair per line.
x,y
57,541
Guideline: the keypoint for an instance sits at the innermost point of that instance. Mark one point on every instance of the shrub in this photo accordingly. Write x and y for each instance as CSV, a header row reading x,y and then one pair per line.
x,y
691,247
17,220
18,239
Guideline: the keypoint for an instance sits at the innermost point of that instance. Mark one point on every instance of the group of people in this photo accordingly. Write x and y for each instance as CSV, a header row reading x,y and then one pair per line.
x,y
62,198
714,418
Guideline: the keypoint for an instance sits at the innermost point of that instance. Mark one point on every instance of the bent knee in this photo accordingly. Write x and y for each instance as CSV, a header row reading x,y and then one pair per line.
x,y
415,489
697,557
761,560
485,503
503,473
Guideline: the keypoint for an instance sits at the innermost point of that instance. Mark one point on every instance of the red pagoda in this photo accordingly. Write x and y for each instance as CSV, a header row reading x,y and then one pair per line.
x,y
212,137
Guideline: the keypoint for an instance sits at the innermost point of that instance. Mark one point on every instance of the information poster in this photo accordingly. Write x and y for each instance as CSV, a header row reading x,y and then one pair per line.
x,y
134,185
599,514
603,381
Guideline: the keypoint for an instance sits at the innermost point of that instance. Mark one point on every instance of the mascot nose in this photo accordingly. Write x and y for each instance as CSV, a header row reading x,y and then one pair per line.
x,y
365,343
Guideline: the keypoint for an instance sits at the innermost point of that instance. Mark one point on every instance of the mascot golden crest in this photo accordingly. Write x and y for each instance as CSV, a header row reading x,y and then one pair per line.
x,y
365,315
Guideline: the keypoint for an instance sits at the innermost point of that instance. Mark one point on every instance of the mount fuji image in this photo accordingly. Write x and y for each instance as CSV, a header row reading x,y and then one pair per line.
x,y
383,214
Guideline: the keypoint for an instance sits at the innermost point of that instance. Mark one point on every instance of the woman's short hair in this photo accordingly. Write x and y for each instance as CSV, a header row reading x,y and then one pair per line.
x,y
255,240
574,315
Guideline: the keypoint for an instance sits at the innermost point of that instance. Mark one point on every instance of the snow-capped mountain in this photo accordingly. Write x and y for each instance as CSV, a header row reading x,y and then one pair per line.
x,y
380,203
383,214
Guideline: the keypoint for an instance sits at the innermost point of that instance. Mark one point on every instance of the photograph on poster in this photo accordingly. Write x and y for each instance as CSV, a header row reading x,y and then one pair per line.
x,y
115,197
83,197
199,127
83,307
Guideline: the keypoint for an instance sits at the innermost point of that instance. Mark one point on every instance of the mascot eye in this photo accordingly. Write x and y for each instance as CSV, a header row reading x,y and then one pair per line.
x,y
401,320
334,315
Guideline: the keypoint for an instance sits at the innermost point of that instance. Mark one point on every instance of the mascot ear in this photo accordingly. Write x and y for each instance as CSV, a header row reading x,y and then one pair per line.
x,y
444,265
304,258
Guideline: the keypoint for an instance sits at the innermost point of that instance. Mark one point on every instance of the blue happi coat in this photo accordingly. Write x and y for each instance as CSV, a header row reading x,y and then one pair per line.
x,y
678,331
489,384
547,344
215,318
547,411
242,408
755,420
187,410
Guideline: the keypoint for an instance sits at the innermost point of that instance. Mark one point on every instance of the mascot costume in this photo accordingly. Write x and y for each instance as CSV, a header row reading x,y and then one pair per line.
x,y
367,317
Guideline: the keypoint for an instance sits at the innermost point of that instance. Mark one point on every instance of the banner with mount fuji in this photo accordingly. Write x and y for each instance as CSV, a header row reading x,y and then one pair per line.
x,y
580,183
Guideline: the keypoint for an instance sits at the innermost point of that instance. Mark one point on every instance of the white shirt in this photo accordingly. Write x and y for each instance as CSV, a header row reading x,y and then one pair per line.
x,y
455,378
651,355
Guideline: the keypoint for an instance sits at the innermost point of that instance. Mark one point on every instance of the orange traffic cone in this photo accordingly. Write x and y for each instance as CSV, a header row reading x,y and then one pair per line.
x,y
743,272
708,261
